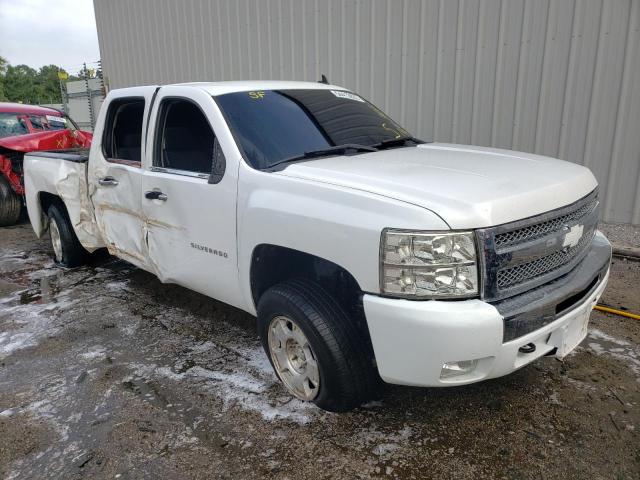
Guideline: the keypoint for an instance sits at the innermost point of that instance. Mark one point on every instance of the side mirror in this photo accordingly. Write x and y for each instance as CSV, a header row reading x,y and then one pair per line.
x,y
218,164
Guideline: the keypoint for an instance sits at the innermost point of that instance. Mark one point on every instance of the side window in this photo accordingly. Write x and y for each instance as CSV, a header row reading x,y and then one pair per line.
x,y
123,131
184,140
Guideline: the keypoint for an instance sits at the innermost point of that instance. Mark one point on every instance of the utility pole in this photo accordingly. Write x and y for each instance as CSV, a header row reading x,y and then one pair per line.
x,y
89,97
63,97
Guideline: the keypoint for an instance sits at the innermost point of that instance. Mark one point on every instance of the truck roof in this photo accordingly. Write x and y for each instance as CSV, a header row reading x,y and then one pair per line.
x,y
7,107
220,88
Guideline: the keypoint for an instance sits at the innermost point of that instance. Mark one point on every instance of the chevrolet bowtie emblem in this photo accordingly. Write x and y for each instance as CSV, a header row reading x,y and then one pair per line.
x,y
573,236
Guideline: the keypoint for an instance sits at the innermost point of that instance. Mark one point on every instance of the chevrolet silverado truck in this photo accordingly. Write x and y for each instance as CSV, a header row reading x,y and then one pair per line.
x,y
364,252
27,128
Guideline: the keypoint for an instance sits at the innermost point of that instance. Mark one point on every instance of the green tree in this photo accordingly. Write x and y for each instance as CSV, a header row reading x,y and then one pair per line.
x,y
21,83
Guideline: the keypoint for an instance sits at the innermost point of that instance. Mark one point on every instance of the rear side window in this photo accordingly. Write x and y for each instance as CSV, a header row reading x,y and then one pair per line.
x,y
122,138
184,139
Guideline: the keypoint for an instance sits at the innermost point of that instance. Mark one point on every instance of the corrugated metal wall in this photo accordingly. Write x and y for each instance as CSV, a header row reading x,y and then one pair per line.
x,y
556,77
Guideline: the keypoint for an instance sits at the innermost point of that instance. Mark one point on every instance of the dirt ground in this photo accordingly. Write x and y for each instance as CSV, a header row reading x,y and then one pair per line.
x,y
107,373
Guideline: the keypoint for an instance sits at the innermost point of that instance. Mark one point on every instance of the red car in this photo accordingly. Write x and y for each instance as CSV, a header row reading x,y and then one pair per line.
x,y
27,128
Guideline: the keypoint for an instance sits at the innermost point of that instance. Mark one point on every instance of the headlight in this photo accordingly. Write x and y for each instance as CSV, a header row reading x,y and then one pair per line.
x,y
428,265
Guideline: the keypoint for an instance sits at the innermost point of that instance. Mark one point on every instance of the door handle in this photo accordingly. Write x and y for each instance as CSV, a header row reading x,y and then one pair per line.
x,y
108,182
156,195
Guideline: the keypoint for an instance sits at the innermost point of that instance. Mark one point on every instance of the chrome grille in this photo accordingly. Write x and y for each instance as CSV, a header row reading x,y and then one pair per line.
x,y
538,230
509,277
528,253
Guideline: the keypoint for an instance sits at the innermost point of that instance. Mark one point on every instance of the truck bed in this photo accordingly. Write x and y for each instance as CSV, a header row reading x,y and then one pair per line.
x,y
63,174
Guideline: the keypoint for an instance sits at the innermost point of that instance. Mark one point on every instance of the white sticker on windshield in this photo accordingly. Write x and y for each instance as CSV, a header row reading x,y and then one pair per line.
x,y
53,118
349,95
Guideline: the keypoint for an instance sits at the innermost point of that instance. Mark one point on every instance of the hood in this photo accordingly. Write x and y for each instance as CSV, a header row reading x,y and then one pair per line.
x,y
49,140
468,187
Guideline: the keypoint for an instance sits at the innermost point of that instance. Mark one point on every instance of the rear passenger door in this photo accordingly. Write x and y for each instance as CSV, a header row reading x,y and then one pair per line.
x,y
115,174
191,223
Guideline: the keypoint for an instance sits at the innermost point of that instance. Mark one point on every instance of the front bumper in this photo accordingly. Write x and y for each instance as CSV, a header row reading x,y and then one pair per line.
x,y
412,340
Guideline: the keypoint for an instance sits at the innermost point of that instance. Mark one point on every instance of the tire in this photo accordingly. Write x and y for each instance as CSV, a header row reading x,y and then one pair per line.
x,y
10,204
67,250
346,374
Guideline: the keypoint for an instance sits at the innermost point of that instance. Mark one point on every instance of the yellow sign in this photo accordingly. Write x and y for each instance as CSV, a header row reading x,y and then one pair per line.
x,y
63,75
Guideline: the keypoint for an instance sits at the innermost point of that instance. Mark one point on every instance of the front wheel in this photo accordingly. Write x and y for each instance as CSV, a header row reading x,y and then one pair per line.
x,y
67,250
314,348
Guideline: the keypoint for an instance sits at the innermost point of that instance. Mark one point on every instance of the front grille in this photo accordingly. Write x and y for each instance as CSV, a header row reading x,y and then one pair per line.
x,y
525,254
538,230
509,277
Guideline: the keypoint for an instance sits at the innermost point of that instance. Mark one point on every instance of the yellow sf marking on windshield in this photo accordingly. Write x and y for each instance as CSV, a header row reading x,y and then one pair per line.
x,y
256,95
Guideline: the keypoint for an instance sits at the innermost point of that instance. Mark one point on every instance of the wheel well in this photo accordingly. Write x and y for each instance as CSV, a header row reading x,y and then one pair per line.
x,y
47,199
272,264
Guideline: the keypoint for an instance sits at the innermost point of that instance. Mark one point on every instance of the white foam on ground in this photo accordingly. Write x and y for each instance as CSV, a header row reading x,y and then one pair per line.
x,y
246,386
25,326
604,344
97,351
384,443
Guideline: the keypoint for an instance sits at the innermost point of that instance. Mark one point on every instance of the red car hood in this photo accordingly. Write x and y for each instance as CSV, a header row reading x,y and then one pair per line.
x,y
51,140
12,148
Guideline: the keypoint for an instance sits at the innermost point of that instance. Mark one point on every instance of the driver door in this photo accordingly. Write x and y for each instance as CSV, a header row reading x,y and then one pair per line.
x,y
191,222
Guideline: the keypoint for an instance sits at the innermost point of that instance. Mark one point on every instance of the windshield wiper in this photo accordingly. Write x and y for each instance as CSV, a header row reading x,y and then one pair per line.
x,y
393,142
337,149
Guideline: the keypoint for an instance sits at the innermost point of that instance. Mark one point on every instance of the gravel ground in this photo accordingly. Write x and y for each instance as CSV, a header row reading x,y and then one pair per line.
x,y
622,234
107,373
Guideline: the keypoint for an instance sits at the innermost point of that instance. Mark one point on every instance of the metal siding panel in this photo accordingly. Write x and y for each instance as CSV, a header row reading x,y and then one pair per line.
x,y
322,30
335,42
485,74
393,69
465,70
607,86
363,45
378,52
582,61
348,47
310,65
411,54
528,89
621,201
511,17
554,77
445,69
430,20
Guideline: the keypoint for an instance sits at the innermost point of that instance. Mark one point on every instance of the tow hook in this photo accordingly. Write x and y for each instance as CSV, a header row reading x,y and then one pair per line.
x,y
528,348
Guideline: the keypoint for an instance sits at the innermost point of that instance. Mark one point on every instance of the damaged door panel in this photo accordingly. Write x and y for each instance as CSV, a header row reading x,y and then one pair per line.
x,y
115,174
190,222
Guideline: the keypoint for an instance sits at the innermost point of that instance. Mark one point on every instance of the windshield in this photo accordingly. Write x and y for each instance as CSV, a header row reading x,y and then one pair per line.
x,y
12,124
15,124
274,125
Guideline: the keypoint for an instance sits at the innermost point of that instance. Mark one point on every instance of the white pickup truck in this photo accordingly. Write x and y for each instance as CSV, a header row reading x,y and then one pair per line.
x,y
365,253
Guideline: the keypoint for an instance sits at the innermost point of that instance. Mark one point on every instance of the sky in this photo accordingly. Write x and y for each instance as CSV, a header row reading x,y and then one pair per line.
x,y
44,32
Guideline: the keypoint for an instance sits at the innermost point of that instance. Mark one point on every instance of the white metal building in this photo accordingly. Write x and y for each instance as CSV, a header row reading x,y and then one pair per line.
x,y
556,77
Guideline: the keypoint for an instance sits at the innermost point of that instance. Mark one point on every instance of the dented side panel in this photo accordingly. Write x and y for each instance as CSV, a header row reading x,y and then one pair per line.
x,y
118,211
67,180
117,202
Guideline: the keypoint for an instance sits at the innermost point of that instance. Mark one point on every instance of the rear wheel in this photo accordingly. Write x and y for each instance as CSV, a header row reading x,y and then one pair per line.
x,y
10,204
314,348
67,250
